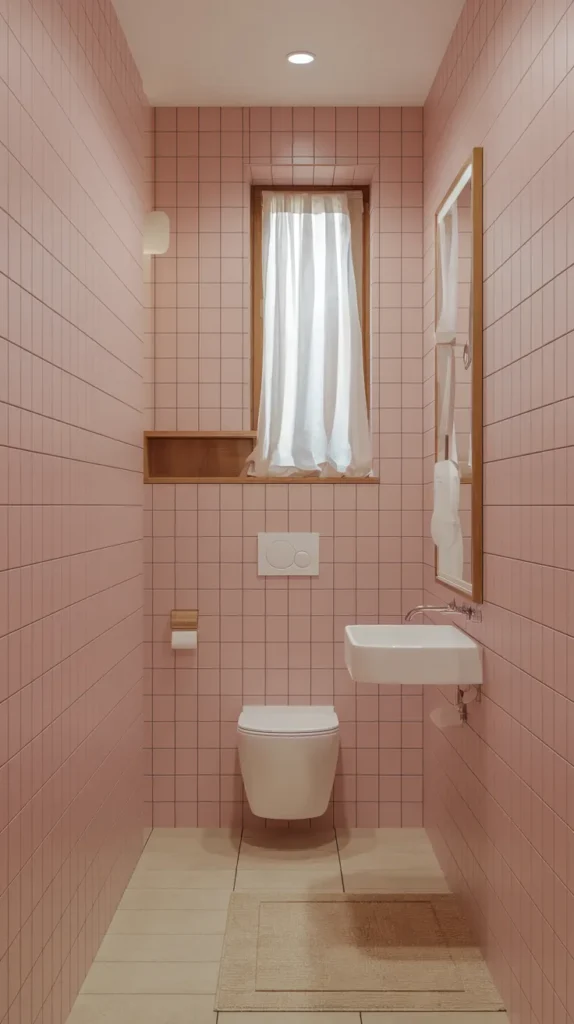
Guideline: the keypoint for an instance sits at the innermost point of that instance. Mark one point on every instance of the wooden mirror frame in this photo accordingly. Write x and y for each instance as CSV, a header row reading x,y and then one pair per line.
x,y
474,589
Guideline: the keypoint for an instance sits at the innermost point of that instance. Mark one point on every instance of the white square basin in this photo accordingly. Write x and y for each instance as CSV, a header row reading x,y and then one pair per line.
x,y
412,655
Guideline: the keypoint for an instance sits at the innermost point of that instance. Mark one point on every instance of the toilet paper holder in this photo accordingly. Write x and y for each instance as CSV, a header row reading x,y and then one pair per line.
x,y
183,620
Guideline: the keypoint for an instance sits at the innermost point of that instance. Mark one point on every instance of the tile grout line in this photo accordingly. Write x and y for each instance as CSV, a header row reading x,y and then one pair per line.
x,y
237,862
339,859
233,890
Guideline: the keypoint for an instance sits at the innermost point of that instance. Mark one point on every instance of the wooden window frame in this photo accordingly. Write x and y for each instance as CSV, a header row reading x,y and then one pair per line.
x,y
257,283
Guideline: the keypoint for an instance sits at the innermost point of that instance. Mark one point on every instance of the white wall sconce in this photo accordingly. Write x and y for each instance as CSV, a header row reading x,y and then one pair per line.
x,y
156,233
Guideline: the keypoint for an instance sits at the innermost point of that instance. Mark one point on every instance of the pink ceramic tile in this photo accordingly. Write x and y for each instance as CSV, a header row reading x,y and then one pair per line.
x,y
346,119
517,759
324,119
303,119
269,639
71,683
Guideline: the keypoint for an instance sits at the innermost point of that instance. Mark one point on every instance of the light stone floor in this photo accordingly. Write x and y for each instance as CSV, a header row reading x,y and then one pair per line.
x,y
158,963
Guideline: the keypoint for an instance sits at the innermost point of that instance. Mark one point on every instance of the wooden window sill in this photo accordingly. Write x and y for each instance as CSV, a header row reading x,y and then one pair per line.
x,y
262,480
214,457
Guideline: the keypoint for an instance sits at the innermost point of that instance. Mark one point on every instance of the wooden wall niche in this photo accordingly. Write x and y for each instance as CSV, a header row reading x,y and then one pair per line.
x,y
193,456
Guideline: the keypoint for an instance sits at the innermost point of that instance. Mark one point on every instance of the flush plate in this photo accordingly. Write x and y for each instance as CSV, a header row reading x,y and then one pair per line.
x,y
288,554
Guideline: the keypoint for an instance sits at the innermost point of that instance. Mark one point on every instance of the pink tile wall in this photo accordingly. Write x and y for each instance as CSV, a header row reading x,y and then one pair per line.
x,y
280,640
500,794
71,174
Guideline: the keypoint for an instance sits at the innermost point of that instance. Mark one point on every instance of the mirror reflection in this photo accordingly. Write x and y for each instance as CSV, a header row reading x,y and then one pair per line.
x,y
456,524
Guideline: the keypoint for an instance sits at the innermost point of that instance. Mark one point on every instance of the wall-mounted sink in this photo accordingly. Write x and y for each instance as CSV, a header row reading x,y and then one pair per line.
x,y
412,655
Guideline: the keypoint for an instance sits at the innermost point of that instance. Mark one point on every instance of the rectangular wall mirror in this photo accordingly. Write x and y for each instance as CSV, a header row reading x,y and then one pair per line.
x,y
456,524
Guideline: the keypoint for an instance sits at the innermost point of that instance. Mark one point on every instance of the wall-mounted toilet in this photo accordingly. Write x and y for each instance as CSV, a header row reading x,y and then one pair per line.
x,y
288,757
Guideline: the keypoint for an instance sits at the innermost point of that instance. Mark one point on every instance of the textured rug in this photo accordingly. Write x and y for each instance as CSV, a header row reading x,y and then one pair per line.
x,y
344,951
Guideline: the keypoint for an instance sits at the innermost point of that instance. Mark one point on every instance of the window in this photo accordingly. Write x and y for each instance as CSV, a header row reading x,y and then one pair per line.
x,y
310,330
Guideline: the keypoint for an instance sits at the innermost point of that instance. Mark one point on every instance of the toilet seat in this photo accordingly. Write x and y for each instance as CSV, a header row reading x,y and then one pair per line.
x,y
288,720
288,756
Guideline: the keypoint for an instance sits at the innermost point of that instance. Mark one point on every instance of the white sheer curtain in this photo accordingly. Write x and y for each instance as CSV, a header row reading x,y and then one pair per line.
x,y
313,412
445,527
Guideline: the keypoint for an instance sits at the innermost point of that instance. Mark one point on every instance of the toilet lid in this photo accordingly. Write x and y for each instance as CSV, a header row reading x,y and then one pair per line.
x,y
288,719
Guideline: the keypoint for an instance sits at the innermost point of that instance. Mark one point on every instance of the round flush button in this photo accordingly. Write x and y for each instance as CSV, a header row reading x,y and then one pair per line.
x,y
280,554
302,559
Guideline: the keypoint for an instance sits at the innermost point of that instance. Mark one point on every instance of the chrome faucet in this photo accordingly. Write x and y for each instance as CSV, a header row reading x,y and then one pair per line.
x,y
470,611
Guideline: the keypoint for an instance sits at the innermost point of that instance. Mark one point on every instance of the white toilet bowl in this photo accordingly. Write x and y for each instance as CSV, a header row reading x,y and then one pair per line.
x,y
288,758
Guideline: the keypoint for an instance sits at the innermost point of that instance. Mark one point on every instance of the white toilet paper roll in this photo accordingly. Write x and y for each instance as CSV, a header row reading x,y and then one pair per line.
x,y
183,639
445,718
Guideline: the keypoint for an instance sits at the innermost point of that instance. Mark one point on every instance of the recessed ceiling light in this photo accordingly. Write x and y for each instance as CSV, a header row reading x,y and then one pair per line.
x,y
301,57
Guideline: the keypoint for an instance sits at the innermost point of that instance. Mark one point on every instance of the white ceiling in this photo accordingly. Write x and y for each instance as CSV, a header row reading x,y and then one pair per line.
x,y
232,52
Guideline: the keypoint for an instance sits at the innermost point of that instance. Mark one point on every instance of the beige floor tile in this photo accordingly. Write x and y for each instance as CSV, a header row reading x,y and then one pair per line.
x,y
286,862
181,857
153,978
155,948
169,879
175,899
289,1018
168,922
413,856
300,851
210,841
295,829
434,1018
201,835
326,880
392,881
398,841
390,860
277,838
380,835
410,859
143,1009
